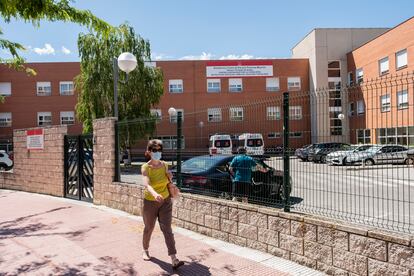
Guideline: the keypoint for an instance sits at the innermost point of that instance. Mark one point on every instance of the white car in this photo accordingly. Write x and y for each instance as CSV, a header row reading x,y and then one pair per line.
x,y
381,154
339,157
5,162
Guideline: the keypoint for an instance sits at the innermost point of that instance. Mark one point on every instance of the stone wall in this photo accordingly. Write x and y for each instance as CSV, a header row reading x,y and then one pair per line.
x,y
38,171
333,247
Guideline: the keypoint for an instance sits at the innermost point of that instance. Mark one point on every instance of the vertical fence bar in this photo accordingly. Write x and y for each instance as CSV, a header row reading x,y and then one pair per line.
x,y
286,167
117,163
179,134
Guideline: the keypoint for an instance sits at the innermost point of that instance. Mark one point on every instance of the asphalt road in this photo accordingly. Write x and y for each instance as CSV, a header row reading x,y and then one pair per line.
x,y
380,195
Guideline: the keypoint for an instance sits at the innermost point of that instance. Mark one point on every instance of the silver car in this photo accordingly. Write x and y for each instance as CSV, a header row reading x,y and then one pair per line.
x,y
380,154
339,157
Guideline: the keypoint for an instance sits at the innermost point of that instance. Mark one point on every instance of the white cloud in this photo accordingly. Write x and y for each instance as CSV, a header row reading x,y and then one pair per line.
x,y
47,50
233,56
160,56
65,50
203,56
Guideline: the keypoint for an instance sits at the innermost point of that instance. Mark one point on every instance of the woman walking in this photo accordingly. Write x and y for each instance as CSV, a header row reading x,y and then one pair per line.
x,y
157,201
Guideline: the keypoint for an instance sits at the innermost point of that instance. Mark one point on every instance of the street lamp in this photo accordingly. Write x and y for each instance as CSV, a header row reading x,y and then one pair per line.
x,y
127,62
173,112
201,125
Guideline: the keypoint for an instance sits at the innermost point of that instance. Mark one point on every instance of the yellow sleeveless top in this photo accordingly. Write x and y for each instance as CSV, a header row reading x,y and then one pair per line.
x,y
158,180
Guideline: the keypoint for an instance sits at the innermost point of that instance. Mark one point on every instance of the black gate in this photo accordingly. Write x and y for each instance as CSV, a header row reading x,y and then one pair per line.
x,y
79,167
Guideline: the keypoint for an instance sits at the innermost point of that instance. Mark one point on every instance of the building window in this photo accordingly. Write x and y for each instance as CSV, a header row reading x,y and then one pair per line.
x,y
67,118
295,112
383,65
5,119
44,118
363,136
273,113
170,142
402,99
295,134
350,78
351,109
272,84
401,59
236,113
214,114
396,135
175,86
360,107
385,103
44,88
334,69
359,76
5,88
293,83
213,85
156,113
66,88
274,135
173,119
235,85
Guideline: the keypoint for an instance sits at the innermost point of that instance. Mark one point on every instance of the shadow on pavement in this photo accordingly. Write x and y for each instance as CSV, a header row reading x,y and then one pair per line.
x,y
188,269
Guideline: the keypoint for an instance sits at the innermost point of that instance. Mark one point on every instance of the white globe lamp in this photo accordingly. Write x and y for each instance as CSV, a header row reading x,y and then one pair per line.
x,y
127,62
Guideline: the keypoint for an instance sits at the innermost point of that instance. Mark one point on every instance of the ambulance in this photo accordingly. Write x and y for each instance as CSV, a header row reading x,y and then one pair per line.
x,y
253,142
220,144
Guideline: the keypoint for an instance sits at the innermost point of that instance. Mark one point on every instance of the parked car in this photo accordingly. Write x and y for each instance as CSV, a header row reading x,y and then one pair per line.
x,y
209,174
6,163
339,157
380,154
410,156
319,152
303,152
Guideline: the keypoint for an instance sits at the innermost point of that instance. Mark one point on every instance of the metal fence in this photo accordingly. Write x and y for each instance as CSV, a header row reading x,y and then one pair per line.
x,y
343,152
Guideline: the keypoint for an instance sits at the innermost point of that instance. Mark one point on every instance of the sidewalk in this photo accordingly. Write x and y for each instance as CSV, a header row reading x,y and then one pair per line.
x,y
43,235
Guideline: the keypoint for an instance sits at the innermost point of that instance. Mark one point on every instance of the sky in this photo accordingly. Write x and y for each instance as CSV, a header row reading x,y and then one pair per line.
x,y
213,29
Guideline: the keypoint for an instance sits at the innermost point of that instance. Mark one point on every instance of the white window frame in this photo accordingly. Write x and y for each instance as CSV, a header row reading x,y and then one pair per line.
x,y
6,119
212,85
5,89
272,84
236,85
366,139
350,78
383,66
175,86
402,95
40,88
44,122
273,113
236,113
67,117
351,111
291,134
294,83
214,114
295,112
385,101
360,107
66,92
404,59
157,113
173,119
274,135
359,75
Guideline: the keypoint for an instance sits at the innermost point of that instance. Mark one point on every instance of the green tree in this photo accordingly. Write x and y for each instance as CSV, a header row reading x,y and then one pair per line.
x,y
95,86
36,10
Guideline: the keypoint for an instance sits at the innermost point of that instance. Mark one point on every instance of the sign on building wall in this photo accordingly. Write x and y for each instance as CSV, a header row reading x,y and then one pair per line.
x,y
247,68
35,139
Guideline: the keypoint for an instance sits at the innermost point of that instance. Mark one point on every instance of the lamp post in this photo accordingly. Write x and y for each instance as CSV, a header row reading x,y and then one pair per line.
x,y
173,112
201,125
127,62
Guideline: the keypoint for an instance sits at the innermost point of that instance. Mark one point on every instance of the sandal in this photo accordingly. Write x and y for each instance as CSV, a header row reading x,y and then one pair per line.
x,y
177,263
146,256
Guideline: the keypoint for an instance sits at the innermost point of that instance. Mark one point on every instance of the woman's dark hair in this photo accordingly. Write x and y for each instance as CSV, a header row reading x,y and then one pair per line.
x,y
154,143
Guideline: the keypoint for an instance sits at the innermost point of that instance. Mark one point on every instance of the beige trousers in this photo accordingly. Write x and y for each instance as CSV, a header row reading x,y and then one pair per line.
x,y
163,211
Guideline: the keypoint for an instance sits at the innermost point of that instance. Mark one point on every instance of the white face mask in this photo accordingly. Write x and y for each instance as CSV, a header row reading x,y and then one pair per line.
x,y
156,155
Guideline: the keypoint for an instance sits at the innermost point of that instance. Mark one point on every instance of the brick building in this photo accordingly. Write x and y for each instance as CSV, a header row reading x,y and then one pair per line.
x,y
237,96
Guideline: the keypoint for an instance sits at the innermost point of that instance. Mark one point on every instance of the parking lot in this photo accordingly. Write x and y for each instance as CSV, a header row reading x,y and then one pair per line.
x,y
379,195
